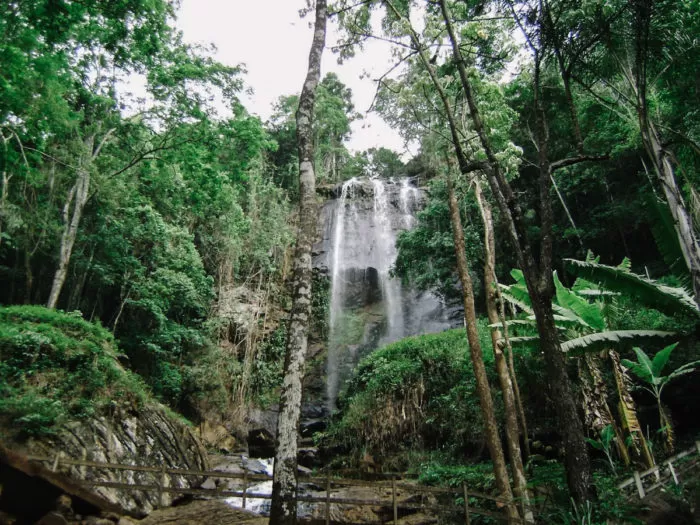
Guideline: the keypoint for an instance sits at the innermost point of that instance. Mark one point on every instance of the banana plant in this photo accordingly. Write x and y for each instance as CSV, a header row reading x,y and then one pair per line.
x,y
582,322
649,371
605,444
585,330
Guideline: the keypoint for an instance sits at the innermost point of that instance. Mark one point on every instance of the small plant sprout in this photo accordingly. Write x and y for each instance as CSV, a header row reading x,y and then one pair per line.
x,y
605,444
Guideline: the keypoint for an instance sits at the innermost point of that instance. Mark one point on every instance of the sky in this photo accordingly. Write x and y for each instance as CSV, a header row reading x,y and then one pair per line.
x,y
273,42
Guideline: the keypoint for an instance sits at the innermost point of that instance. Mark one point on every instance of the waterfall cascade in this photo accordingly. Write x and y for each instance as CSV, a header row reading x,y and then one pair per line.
x,y
369,307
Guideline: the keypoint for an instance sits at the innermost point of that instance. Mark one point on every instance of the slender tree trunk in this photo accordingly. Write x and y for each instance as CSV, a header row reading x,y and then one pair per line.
x,y
682,219
4,191
538,277
76,294
514,377
660,157
283,510
77,197
667,427
483,389
28,277
511,413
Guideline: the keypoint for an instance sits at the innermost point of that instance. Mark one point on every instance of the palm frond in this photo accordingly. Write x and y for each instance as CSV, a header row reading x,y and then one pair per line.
x,y
514,297
664,233
658,296
602,340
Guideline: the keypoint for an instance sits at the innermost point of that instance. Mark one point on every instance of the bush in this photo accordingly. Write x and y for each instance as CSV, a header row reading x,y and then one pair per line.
x,y
55,367
416,393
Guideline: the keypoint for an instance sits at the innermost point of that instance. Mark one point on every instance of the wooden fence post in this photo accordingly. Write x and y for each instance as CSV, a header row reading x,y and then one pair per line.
x,y
393,499
82,467
56,461
161,486
638,482
466,503
673,472
245,486
328,498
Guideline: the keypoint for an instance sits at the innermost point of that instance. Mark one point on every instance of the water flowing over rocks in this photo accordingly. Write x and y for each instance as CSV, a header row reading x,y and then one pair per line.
x,y
368,306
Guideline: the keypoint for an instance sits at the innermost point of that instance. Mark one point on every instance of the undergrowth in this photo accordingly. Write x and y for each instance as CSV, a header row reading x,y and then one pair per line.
x,y
56,367
417,393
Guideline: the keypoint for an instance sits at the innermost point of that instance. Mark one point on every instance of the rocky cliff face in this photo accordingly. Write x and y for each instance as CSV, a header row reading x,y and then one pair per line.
x,y
147,437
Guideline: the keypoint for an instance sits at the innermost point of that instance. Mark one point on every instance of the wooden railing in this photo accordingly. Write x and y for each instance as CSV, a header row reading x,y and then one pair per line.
x,y
660,475
393,485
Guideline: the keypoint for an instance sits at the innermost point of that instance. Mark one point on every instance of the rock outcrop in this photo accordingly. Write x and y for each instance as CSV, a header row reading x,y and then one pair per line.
x,y
149,436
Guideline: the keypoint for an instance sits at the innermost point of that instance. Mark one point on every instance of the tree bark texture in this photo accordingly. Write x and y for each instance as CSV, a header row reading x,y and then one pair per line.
x,y
594,395
504,376
483,388
283,510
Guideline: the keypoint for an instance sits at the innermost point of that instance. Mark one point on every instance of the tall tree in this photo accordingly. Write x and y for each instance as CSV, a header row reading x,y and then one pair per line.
x,y
493,440
504,375
538,275
662,159
283,510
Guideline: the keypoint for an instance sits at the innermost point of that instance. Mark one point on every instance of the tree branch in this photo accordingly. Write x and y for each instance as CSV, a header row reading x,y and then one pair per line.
x,y
576,160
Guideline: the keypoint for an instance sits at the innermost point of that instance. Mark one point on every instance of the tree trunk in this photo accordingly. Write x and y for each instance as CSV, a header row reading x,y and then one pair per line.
x,y
483,389
510,409
77,197
683,221
513,377
538,277
283,510
594,395
569,423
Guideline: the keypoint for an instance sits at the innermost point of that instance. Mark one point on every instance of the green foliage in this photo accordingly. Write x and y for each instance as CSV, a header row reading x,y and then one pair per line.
x,y
614,338
179,202
333,113
56,367
320,306
605,444
587,312
426,256
650,370
418,392
478,477
667,299
268,368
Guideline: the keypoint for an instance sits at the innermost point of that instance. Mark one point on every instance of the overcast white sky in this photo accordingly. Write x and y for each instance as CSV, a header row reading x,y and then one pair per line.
x,y
273,42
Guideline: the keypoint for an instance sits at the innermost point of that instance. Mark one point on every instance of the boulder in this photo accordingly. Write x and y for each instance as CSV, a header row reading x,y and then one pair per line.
x,y
216,437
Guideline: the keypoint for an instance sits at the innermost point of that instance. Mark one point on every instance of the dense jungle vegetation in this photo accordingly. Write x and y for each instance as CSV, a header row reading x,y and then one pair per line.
x,y
561,138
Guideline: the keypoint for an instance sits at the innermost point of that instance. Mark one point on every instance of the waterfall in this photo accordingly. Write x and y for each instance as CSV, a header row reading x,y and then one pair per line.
x,y
369,307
